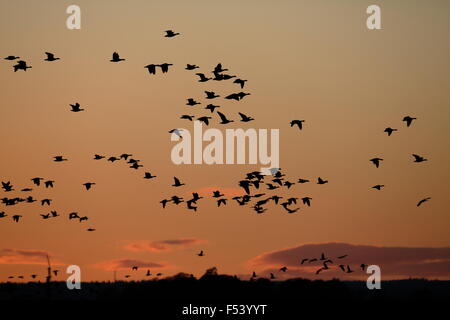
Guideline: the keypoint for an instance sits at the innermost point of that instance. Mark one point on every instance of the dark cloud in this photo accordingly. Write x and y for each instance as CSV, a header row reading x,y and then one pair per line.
x,y
25,256
119,264
395,262
163,245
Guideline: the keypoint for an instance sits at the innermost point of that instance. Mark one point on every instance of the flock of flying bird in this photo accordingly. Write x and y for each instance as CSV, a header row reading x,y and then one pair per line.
x,y
253,181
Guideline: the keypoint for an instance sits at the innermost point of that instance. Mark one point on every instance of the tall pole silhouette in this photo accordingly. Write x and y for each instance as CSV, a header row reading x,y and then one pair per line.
x,y
49,270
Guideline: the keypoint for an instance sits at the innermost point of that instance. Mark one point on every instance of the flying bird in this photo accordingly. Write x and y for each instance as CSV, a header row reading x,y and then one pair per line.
x,y
378,186
171,34
376,161
223,118
418,158
21,65
240,82
202,76
389,130
191,102
321,181
423,201
211,107
201,253
177,182
204,119
11,58
211,95
59,159
306,200
148,175
88,185
151,68
191,66
76,107
116,58
50,57
408,120
165,67
299,123
49,183
245,118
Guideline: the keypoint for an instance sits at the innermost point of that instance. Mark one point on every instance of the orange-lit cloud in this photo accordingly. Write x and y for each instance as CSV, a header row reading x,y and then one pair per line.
x,y
395,262
163,245
121,264
25,256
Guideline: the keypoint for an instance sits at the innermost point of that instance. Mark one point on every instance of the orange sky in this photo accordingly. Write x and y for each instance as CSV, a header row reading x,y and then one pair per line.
x,y
312,60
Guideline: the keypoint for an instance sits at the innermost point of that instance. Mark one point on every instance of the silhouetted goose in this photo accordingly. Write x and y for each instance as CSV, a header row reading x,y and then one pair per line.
x,y
16,217
204,119
304,260
242,95
191,102
136,165
148,274
240,82
343,256
191,66
21,65
11,58
33,276
302,181
221,201
271,186
288,184
423,200
211,107
276,198
378,186
233,96
201,253
90,229
363,266
307,201
177,182
98,157
348,269
292,200
418,158
112,159
283,269
165,67
73,215
45,216
7,186
59,159
321,181
151,68
196,197
245,118
177,132
298,123
148,175
223,118
389,130
81,219
342,267
46,201
187,117
134,268
49,183
219,69
376,161
50,57
54,214
116,58
211,95
202,76
125,156
76,107
88,185
37,181
217,194
164,202
171,34
190,206
319,270
408,120
3,214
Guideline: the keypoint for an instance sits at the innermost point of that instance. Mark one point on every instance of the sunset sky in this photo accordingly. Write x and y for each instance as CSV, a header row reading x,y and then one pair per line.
x,y
313,60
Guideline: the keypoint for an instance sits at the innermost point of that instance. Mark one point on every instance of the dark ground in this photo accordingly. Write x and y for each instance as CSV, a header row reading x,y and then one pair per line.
x,y
167,297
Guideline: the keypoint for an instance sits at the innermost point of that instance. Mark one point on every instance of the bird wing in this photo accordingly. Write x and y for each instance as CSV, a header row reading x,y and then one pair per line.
x,y
50,55
222,116
115,56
